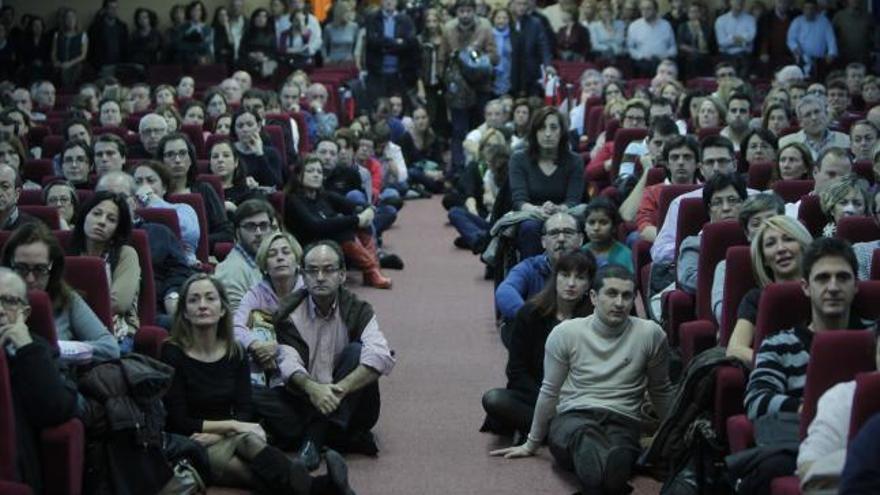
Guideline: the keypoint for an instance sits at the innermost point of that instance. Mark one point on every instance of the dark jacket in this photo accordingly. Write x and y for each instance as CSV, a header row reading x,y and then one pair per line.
x,y
378,46
107,43
124,420
356,314
525,361
327,216
531,49
41,398
170,267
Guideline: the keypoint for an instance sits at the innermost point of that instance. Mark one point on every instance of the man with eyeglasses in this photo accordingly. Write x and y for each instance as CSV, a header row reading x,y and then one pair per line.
x,y
716,156
561,233
812,113
331,356
40,396
739,114
171,267
254,220
151,129
10,189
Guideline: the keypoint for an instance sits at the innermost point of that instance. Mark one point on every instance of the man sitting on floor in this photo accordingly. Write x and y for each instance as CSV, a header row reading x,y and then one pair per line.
x,y
562,233
332,354
596,372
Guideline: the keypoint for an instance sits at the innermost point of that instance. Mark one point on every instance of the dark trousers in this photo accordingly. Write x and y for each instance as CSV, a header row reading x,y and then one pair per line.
x,y
290,417
585,441
509,410
471,227
528,238
379,85
463,120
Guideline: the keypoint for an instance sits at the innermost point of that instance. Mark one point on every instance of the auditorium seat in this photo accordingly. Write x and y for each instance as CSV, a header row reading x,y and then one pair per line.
x,y
866,401
760,175
810,214
621,139
46,214
88,276
858,229
165,216
792,190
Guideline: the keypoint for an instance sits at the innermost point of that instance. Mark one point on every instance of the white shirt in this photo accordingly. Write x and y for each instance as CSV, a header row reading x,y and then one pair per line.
x,y
829,431
650,40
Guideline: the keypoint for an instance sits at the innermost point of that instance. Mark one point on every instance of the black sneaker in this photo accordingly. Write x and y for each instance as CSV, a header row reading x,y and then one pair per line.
x,y
362,442
460,243
391,262
618,466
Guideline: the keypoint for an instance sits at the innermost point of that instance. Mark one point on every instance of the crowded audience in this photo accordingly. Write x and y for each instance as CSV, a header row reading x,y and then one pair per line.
x,y
227,171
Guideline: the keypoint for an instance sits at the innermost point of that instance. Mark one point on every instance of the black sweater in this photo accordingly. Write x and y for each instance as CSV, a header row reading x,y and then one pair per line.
x,y
265,169
206,391
525,362
326,216
41,398
219,226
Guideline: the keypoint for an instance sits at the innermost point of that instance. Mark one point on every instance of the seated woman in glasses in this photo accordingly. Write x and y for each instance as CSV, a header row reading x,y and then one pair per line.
x,y
34,253
61,194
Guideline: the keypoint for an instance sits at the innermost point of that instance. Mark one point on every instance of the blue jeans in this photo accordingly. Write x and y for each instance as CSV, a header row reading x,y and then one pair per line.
x,y
528,238
385,215
471,227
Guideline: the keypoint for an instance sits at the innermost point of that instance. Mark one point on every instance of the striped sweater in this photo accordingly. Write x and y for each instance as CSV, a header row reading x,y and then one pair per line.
x,y
777,382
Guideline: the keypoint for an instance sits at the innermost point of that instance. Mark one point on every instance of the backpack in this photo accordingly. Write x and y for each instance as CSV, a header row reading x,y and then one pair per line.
x,y
459,93
701,470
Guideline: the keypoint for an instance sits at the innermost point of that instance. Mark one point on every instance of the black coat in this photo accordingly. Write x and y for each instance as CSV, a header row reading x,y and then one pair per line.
x,y
41,398
525,362
531,49
378,46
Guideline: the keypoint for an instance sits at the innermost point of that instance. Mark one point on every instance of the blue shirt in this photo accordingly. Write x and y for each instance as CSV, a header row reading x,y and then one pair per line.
x,y
815,39
502,69
524,281
729,26
389,62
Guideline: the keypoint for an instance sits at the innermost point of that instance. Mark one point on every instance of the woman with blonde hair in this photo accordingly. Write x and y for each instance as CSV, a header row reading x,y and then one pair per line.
x,y
776,251
711,113
210,400
846,197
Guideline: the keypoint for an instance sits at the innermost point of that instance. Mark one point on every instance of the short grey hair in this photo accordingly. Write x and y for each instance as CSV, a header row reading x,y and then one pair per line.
x,y
589,74
809,99
151,116
116,175
10,278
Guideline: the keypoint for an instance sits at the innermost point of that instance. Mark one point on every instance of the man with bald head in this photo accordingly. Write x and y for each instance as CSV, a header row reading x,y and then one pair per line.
x,y
170,266
231,89
151,129
40,396
561,233
331,355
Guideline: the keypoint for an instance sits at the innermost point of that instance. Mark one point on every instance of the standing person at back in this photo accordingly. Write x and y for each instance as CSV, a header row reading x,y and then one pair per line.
x,y
531,51
392,52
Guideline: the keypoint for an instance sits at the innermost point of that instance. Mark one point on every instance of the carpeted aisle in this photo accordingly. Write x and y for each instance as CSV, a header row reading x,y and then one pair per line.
x,y
439,318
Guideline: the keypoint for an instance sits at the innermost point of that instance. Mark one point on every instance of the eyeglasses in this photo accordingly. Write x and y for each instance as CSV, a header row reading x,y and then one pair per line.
x,y
730,201
11,302
39,270
314,271
564,232
252,227
176,154
58,201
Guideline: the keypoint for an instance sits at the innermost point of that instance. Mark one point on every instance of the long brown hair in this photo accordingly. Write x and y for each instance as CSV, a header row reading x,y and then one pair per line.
x,y
32,233
546,301
182,330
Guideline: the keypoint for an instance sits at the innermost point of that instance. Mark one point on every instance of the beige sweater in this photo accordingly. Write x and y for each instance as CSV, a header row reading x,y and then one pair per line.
x,y
589,365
